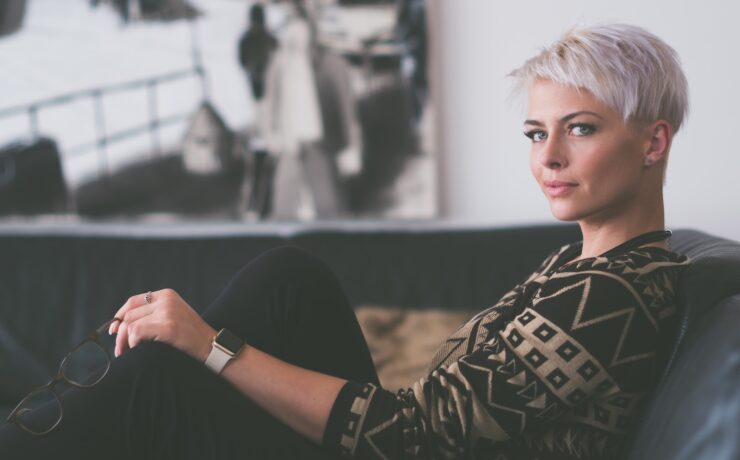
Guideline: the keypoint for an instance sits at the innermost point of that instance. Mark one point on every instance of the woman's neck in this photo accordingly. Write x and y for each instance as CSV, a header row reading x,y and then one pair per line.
x,y
602,236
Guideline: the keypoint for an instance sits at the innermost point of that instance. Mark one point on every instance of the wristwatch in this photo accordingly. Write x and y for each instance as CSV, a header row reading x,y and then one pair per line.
x,y
225,346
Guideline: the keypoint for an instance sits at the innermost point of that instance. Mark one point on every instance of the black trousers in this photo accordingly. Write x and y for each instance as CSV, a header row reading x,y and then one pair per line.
x,y
156,402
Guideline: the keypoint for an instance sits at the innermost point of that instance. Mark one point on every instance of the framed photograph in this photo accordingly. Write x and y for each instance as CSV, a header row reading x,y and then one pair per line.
x,y
216,109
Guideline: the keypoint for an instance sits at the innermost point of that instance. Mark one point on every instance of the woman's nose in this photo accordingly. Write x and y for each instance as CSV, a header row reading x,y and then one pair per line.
x,y
552,154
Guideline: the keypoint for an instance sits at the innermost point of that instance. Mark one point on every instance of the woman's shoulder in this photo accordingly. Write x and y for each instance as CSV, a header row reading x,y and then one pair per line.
x,y
563,257
635,259
649,274
642,270
660,268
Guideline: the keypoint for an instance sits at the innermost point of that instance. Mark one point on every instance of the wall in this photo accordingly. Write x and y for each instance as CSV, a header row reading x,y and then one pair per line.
x,y
484,173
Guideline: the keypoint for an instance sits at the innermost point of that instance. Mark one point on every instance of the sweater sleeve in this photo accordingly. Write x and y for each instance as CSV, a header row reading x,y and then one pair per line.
x,y
588,335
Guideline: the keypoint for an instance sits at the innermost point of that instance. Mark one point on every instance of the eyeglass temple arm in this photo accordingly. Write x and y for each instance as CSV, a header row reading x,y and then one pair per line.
x,y
103,329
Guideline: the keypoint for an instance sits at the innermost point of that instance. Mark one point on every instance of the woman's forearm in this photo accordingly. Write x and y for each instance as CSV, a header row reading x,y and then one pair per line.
x,y
300,398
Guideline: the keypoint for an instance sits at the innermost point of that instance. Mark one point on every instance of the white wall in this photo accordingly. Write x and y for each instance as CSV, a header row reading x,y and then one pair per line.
x,y
484,173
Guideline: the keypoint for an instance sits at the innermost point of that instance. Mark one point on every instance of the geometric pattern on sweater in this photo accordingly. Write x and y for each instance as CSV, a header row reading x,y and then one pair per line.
x,y
558,368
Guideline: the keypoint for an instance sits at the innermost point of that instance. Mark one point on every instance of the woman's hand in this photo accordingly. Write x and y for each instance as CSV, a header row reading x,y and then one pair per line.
x,y
167,318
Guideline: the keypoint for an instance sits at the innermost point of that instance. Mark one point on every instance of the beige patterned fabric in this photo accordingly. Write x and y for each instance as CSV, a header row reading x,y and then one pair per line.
x,y
558,368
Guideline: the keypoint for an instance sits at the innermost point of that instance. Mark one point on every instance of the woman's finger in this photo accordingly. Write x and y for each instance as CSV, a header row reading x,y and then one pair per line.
x,y
137,313
121,340
133,302
148,328
132,317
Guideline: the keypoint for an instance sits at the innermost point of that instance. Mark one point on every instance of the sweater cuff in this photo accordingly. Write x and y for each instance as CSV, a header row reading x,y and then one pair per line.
x,y
341,419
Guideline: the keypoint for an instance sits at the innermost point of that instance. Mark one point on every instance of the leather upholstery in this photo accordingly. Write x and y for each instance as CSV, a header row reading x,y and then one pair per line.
x,y
695,410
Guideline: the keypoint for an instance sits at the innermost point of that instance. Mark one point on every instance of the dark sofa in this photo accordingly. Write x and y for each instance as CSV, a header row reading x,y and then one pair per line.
x,y
57,282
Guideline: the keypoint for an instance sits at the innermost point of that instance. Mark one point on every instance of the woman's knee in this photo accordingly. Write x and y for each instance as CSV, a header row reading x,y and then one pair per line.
x,y
287,268
284,295
292,260
310,277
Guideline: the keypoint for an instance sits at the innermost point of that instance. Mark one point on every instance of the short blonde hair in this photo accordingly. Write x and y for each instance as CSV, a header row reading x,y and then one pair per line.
x,y
624,66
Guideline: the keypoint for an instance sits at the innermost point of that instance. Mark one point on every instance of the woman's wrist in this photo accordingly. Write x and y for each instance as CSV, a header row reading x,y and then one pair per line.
x,y
207,345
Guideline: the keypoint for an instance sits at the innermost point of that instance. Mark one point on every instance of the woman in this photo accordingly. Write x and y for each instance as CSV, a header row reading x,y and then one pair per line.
x,y
290,119
558,368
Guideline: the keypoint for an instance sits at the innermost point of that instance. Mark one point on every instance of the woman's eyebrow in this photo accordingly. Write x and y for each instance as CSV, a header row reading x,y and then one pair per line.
x,y
565,118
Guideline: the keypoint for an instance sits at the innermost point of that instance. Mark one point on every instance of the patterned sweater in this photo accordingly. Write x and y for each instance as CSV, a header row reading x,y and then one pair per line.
x,y
557,369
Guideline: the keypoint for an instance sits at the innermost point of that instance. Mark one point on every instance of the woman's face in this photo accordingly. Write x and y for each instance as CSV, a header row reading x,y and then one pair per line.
x,y
578,140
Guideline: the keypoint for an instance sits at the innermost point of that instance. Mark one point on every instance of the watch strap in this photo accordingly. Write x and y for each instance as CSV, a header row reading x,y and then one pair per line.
x,y
217,360
220,355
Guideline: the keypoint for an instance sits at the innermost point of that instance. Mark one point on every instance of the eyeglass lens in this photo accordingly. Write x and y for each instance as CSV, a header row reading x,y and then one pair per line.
x,y
39,412
86,365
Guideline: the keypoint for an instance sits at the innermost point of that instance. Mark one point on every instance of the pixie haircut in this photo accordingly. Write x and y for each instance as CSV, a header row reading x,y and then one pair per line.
x,y
624,66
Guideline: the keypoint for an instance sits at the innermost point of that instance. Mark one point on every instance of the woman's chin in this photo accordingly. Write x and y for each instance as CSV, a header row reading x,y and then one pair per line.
x,y
564,213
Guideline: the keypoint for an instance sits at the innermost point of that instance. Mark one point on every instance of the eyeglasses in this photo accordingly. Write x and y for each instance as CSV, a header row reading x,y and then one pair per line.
x,y
86,365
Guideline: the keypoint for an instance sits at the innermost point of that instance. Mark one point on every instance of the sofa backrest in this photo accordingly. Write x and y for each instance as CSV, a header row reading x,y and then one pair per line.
x,y
694,412
713,275
58,282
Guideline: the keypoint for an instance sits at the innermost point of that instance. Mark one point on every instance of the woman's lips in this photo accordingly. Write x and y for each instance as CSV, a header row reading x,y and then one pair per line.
x,y
559,190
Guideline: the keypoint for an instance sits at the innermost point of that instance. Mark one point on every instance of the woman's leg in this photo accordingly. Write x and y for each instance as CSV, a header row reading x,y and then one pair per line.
x,y
311,323
158,402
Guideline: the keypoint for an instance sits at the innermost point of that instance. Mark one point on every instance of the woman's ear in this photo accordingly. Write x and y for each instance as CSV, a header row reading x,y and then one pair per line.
x,y
661,134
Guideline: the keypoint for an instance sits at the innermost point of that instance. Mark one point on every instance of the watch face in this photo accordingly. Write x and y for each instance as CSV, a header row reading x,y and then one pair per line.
x,y
229,340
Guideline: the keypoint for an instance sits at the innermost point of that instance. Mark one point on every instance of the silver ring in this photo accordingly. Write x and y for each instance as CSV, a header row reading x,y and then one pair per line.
x,y
148,297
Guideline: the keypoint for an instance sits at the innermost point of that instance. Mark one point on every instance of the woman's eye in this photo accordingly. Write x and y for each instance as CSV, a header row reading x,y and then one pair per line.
x,y
536,135
581,129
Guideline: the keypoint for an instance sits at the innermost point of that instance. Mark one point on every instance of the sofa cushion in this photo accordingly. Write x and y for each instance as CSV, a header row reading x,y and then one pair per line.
x,y
403,341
